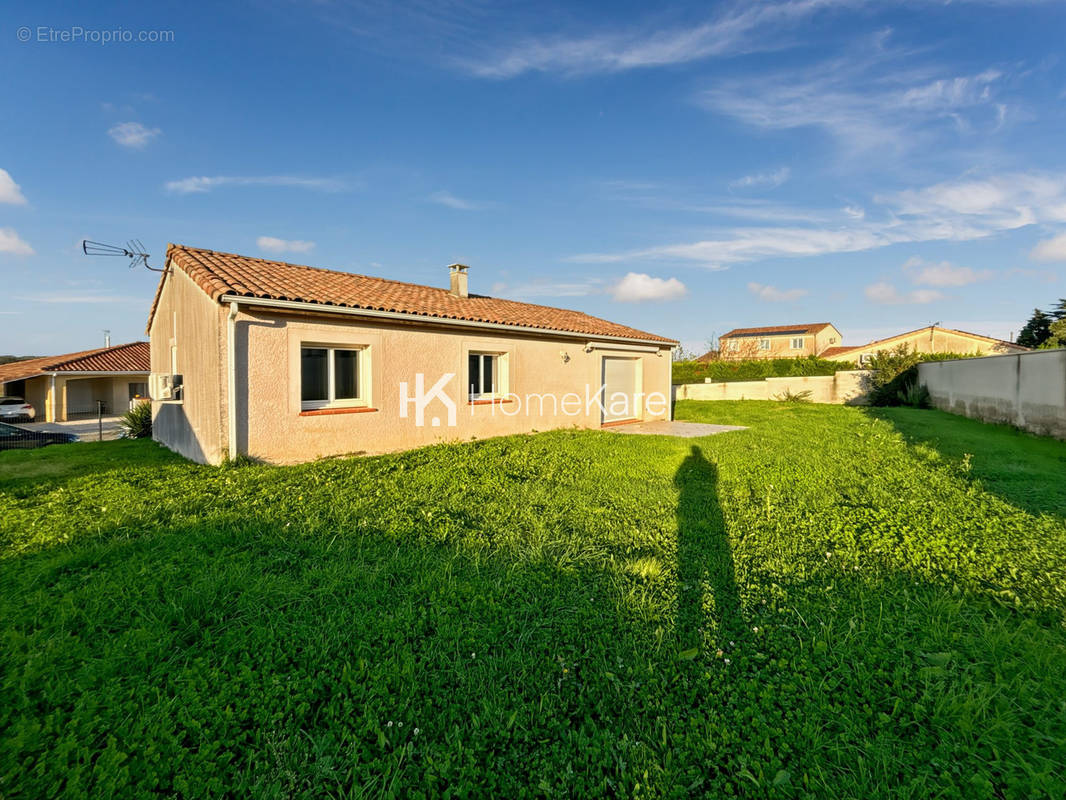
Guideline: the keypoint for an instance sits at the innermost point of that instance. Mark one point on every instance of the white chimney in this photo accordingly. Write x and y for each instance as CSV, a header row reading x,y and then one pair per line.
x,y
457,272
107,338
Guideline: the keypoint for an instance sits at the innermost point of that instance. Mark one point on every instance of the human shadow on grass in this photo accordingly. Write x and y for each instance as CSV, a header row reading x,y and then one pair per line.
x,y
1023,469
707,587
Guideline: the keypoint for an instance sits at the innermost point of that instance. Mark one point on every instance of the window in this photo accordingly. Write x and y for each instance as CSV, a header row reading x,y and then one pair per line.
x,y
734,345
764,344
138,390
864,359
483,378
330,376
797,342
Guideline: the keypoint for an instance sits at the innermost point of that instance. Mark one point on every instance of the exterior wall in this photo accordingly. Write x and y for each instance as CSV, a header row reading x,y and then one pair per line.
x,y
846,387
1025,389
35,392
935,340
272,427
188,319
827,337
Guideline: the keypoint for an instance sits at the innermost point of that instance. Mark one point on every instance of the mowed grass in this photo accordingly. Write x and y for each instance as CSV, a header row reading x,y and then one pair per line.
x,y
836,602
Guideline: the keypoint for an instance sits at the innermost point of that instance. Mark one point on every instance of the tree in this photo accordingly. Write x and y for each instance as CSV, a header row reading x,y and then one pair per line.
x,y
1057,334
1058,311
1036,330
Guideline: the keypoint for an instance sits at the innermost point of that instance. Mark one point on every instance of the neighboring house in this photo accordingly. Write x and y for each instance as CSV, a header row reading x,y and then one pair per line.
x,y
778,341
932,339
80,384
289,363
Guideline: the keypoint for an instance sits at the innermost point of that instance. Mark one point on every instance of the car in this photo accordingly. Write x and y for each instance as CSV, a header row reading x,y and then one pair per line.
x,y
12,437
16,409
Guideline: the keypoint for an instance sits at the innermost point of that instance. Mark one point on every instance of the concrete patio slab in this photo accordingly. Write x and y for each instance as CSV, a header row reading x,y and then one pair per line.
x,y
683,430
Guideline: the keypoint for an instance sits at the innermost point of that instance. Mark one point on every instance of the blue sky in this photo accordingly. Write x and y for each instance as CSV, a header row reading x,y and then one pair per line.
x,y
686,170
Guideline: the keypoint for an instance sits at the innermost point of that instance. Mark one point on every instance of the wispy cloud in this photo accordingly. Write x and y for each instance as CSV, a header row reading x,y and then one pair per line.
x,y
1053,249
745,28
10,242
877,99
133,134
943,273
446,198
961,210
638,287
768,180
80,298
208,183
772,294
274,245
887,294
549,288
9,190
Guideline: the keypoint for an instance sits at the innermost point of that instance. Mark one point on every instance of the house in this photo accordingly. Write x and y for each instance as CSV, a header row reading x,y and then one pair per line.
x,y
778,341
80,384
287,363
931,339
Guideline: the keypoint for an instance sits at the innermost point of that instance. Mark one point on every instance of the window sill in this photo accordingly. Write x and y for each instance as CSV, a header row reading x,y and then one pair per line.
x,y
613,423
492,401
321,412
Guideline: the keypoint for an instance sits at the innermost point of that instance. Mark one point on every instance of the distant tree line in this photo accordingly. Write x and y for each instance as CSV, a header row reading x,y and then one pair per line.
x,y
9,359
1045,328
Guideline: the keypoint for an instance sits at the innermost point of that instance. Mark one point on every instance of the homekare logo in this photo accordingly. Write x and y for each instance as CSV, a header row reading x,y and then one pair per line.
x,y
596,400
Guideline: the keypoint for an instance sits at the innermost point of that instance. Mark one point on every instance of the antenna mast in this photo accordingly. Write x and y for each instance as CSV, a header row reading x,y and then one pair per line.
x,y
134,251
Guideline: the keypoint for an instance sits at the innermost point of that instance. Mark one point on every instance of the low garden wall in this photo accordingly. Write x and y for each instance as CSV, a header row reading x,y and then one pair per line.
x,y
845,387
1024,389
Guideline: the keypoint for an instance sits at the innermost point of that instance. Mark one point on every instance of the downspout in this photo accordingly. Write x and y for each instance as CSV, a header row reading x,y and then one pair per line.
x,y
231,394
51,415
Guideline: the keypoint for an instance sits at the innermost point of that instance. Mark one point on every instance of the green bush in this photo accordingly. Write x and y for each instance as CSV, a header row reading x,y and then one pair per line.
x,y
789,396
893,372
137,422
755,369
915,395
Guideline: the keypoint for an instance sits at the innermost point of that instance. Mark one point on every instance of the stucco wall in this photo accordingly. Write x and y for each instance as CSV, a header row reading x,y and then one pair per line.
x,y
941,340
272,426
193,322
845,387
1024,389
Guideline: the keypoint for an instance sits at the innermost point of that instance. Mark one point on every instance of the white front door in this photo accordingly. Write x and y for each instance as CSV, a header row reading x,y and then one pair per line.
x,y
620,381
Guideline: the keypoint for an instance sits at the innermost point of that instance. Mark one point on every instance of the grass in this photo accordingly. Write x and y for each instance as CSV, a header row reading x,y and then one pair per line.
x,y
834,602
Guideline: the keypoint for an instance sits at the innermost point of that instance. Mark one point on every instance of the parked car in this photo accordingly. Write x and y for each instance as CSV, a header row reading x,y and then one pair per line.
x,y
16,409
13,437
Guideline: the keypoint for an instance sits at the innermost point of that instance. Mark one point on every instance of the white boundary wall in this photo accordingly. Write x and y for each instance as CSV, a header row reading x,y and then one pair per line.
x,y
845,387
1024,389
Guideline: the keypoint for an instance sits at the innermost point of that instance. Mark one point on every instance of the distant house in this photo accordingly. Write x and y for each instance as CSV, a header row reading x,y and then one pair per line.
x,y
78,384
932,339
288,363
778,341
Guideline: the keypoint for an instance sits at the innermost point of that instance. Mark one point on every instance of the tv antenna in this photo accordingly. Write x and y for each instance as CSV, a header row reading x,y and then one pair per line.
x,y
134,251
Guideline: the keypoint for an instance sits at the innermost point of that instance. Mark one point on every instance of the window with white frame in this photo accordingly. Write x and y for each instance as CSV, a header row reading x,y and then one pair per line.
x,y
797,342
332,376
764,344
865,359
486,375
734,345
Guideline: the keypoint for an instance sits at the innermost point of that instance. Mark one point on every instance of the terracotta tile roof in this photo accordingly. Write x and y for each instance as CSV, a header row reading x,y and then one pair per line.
x,y
220,274
778,330
835,351
887,341
132,357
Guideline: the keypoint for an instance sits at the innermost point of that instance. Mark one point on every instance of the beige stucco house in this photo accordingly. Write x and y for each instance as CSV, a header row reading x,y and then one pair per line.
x,y
287,363
80,384
932,339
779,341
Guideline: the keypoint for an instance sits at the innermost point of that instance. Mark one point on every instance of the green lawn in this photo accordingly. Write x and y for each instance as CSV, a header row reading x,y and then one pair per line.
x,y
836,602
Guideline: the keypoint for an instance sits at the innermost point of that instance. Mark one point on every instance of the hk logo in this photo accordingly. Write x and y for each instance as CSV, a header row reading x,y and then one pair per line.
x,y
421,399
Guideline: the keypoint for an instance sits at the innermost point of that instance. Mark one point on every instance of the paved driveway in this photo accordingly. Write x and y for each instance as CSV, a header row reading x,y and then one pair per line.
x,y
88,430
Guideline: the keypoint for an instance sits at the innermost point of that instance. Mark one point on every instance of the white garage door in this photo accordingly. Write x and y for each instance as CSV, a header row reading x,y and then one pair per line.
x,y
620,389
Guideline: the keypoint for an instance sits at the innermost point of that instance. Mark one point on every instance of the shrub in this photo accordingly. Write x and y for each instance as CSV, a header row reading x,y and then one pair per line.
x,y
137,422
755,369
789,396
914,395
893,371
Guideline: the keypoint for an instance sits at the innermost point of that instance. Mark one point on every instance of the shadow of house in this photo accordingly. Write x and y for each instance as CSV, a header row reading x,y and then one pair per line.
x,y
707,588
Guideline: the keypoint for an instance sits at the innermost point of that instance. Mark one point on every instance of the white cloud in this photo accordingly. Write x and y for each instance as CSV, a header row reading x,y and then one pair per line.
x,y
273,245
768,179
1053,249
11,243
638,287
133,134
772,294
208,183
9,190
943,273
877,100
745,28
951,211
887,294
448,199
